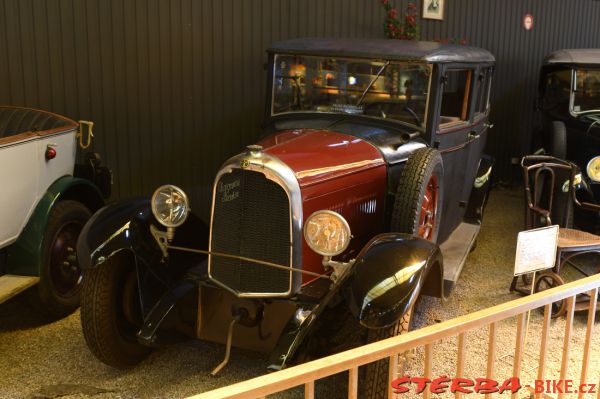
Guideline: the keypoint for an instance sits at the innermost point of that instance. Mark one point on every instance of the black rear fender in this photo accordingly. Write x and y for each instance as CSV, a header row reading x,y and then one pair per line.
x,y
388,276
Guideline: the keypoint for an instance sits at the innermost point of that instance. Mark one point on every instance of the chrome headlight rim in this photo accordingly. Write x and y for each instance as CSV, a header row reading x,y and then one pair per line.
x,y
185,201
345,226
588,169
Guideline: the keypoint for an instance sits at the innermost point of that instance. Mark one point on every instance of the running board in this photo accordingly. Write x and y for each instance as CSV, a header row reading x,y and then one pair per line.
x,y
455,251
11,285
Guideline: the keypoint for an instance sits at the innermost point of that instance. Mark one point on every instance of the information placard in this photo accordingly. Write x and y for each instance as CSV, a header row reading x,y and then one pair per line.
x,y
536,250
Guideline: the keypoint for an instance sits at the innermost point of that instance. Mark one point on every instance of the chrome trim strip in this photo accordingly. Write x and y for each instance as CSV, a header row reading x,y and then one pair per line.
x,y
277,171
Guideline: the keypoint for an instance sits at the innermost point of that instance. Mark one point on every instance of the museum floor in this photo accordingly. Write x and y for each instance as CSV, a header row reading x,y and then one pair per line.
x,y
48,360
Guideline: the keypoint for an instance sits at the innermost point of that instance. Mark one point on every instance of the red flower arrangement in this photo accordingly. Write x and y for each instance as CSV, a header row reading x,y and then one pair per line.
x,y
394,29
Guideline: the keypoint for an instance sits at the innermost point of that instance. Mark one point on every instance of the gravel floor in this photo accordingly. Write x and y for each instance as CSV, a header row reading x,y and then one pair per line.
x,y
40,359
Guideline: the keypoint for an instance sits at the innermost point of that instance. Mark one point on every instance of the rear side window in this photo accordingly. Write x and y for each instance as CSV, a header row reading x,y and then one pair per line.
x,y
484,83
557,88
455,98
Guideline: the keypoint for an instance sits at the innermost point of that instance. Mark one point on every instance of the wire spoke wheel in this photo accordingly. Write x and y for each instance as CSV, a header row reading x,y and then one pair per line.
x,y
548,280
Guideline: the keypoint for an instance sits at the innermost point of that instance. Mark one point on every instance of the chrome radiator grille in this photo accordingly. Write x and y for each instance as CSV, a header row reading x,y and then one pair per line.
x,y
251,218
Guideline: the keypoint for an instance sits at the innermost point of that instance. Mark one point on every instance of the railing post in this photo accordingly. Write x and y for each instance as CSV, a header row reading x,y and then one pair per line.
x,y
309,390
518,359
392,373
491,355
588,339
428,366
353,383
460,361
564,366
544,345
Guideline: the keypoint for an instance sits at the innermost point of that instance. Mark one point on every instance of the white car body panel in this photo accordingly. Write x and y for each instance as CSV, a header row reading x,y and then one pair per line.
x,y
26,175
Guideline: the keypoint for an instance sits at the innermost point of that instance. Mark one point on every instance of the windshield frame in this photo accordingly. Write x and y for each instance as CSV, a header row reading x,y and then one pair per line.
x,y
304,113
574,90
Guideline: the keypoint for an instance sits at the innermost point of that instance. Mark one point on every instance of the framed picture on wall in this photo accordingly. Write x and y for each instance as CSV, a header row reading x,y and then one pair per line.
x,y
433,9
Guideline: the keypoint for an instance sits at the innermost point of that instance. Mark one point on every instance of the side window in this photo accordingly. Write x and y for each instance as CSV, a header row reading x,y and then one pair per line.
x,y
484,83
455,98
556,89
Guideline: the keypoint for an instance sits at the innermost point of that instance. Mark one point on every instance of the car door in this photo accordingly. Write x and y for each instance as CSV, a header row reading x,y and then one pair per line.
x,y
479,127
19,178
452,139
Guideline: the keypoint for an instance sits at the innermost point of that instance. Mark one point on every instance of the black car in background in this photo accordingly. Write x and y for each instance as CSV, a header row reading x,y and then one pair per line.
x,y
569,106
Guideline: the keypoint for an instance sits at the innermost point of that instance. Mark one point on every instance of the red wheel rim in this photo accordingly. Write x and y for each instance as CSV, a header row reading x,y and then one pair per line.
x,y
429,207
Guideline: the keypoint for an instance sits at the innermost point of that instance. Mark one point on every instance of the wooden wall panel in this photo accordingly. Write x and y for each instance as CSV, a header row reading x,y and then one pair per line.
x,y
177,86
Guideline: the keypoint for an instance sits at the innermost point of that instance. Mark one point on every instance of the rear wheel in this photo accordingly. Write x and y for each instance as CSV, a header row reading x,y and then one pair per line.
x,y
111,313
59,290
547,280
377,374
418,203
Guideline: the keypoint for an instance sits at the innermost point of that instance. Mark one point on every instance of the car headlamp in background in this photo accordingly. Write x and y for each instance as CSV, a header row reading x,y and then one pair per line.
x,y
327,233
593,169
170,205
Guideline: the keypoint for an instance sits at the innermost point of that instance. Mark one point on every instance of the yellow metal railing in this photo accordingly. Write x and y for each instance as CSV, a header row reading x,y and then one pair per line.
x,y
306,374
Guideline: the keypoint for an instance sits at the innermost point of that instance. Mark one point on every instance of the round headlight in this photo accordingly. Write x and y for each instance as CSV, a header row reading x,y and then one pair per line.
x,y
593,169
327,233
170,205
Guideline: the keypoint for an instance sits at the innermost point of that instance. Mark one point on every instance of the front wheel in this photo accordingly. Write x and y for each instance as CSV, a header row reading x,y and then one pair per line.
x,y
376,376
111,313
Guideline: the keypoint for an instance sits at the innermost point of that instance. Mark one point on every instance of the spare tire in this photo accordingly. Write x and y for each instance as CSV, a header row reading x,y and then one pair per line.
x,y
419,196
558,140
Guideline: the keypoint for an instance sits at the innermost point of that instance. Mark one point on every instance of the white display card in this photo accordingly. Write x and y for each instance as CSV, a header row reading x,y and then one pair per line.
x,y
536,250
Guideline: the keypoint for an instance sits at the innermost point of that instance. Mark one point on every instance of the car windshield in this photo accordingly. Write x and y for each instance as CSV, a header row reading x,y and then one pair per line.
x,y
586,96
380,89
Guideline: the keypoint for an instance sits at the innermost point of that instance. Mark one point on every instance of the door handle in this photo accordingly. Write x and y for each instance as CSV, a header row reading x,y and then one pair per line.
x,y
473,135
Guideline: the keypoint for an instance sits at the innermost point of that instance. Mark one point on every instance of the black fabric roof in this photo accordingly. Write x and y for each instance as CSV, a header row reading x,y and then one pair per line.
x,y
574,56
383,49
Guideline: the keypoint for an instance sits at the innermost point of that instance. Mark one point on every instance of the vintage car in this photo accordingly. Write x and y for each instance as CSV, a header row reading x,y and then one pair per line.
x,y
569,106
366,191
47,198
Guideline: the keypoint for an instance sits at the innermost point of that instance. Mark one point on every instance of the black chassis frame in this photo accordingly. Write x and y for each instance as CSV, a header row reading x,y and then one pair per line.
x,y
164,281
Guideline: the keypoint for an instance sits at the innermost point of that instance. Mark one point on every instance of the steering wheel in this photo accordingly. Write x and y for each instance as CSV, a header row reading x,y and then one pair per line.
x,y
413,114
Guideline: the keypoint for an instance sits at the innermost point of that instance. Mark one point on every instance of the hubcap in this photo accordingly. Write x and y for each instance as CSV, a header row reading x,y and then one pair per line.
x,y
429,206
64,268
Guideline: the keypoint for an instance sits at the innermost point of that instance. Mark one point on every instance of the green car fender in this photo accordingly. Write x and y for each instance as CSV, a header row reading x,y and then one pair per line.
x,y
24,257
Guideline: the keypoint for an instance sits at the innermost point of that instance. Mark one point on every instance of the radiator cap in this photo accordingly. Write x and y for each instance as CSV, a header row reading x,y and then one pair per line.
x,y
254,148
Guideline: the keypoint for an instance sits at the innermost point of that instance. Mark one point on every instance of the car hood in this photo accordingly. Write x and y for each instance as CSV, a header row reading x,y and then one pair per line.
x,y
316,155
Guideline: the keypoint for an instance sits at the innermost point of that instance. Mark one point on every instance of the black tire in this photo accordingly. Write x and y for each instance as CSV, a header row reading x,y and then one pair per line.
x,y
558,140
110,312
59,290
547,280
375,384
424,167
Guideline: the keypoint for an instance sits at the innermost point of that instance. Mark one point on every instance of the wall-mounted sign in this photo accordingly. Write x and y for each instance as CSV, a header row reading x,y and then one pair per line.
x,y
528,22
536,250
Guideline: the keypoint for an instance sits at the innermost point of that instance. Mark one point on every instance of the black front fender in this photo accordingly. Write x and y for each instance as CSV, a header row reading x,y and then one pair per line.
x,y
116,227
388,276
126,226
